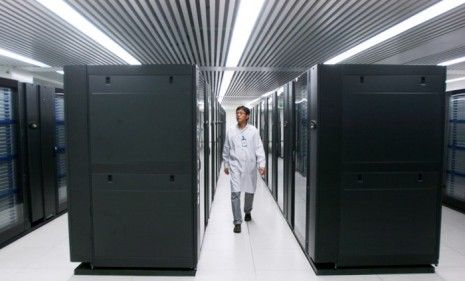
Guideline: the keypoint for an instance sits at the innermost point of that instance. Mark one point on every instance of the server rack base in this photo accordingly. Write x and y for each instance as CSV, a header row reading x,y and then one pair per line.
x,y
454,204
329,269
86,269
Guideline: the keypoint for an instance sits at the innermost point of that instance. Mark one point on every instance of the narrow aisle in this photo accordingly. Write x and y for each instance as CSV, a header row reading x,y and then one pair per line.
x,y
265,249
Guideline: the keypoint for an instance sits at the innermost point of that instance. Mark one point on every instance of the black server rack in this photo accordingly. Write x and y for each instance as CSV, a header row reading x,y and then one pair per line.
x,y
375,167
256,116
13,206
252,116
300,156
134,167
29,191
214,148
271,144
205,108
454,188
264,132
289,152
39,132
221,135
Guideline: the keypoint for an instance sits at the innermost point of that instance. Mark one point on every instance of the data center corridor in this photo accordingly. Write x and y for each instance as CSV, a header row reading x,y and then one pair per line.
x,y
265,250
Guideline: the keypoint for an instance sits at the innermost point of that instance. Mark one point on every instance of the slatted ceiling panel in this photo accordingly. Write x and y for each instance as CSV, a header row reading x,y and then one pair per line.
x,y
31,30
167,31
458,67
454,76
8,61
264,82
334,22
419,35
441,57
288,33
302,33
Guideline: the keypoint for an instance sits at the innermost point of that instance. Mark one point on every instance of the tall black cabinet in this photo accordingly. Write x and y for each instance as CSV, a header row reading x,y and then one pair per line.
x,y
375,165
136,148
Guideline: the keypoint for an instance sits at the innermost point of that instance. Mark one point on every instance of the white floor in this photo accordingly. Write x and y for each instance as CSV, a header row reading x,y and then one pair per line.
x,y
265,250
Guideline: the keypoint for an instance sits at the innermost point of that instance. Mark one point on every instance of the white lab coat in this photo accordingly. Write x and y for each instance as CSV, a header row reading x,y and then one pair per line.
x,y
243,153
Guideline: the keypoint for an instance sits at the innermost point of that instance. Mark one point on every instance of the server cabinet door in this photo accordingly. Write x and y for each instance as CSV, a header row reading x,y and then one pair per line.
x,y
213,146
34,166
280,156
454,191
200,157
47,136
301,159
144,196
289,152
60,153
12,203
264,132
269,144
206,136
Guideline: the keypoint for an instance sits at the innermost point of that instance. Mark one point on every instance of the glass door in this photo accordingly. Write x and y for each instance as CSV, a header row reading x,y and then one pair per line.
x,y
270,157
280,149
454,194
60,152
301,158
12,220
264,133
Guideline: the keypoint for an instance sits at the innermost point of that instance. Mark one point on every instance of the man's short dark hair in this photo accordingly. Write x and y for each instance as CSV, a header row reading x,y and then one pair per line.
x,y
245,109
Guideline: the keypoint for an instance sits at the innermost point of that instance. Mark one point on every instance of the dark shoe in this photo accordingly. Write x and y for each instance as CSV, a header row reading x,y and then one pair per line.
x,y
248,217
237,228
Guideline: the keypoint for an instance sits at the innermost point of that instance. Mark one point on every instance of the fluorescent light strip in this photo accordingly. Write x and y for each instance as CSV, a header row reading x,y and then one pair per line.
x,y
15,56
451,62
60,72
227,77
245,20
253,101
421,17
64,11
455,80
266,95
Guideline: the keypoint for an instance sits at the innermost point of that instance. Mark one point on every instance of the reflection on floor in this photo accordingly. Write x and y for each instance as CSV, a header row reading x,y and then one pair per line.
x,y
265,250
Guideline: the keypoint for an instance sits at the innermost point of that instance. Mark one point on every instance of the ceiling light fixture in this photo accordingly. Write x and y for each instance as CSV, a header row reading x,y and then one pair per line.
x,y
421,17
64,11
455,80
451,62
60,72
15,56
251,103
245,21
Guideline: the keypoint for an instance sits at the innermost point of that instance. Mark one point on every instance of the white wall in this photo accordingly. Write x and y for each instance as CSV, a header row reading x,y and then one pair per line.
x,y
21,76
230,117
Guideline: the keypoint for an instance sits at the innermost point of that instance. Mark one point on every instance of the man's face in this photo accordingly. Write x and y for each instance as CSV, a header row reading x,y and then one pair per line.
x,y
241,116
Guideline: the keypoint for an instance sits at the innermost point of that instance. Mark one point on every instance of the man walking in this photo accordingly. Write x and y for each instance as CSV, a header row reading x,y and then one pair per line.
x,y
242,154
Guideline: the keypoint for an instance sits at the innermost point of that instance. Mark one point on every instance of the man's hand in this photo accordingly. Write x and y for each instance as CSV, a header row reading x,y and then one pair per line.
x,y
262,171
226,171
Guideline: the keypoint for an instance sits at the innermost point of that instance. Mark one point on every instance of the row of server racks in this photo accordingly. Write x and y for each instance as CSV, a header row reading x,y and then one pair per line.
x,y
454,188
355,171
32,157
144,146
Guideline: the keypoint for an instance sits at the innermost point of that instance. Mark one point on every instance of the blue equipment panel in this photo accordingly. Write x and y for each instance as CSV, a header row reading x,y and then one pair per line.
x,y
10,203
455,187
